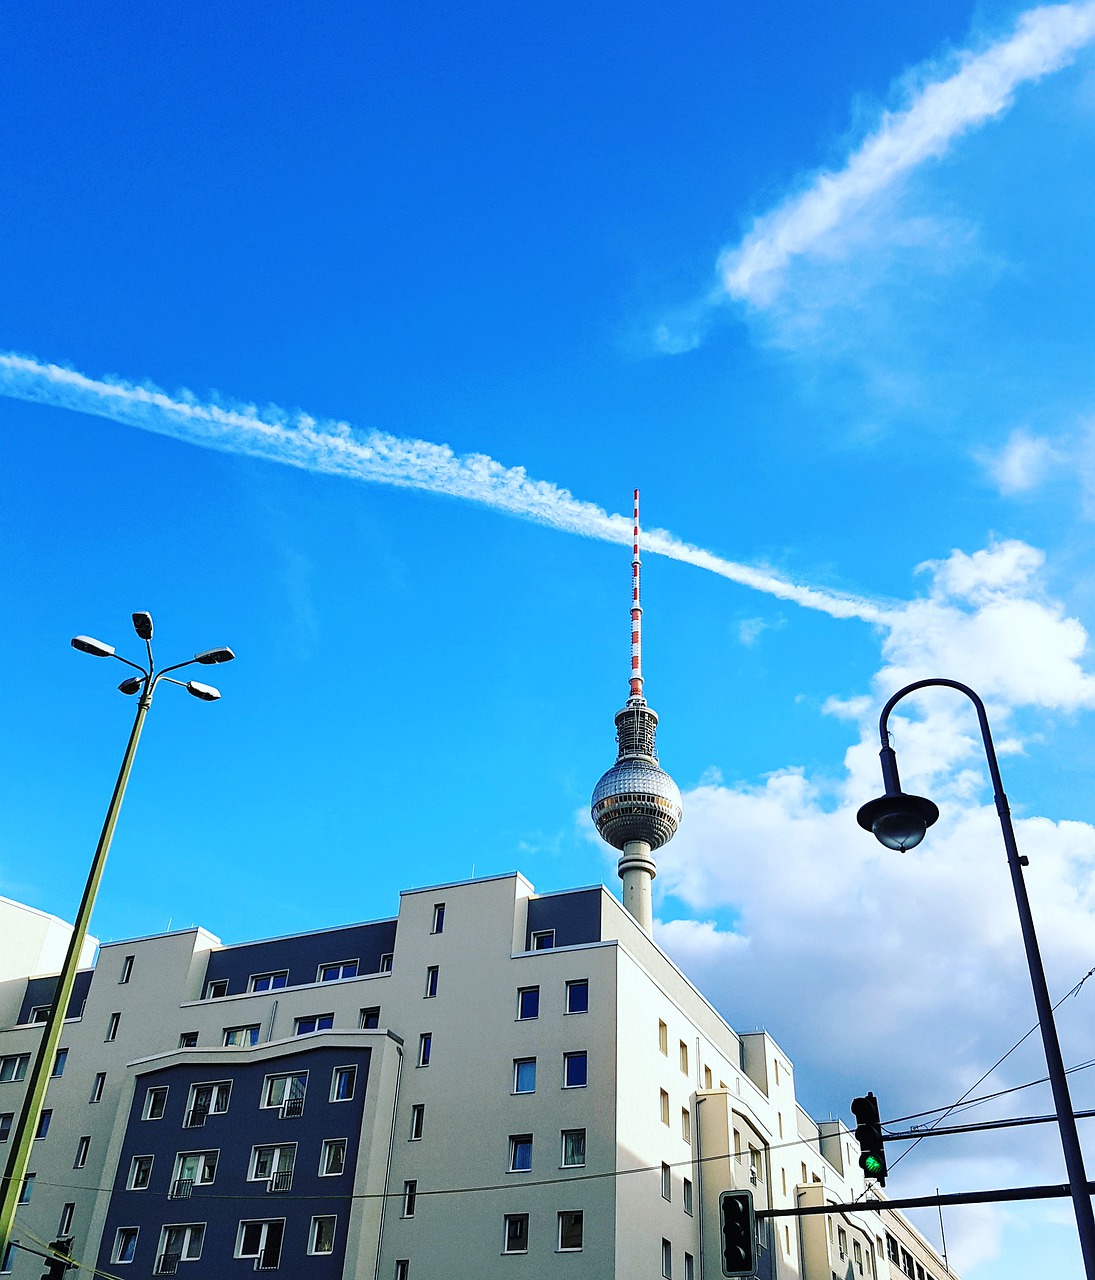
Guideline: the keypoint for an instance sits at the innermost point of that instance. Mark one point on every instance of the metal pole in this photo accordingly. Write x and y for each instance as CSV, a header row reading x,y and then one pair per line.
x,y
27,1126
1066,1119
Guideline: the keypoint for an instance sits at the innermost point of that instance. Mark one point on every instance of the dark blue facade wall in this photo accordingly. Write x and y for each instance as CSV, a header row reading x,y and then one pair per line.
x,y
303,955
41,991
231,1198
575,917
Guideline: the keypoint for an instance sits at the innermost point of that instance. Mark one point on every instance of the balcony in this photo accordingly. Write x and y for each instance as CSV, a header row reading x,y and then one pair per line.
x,y
280,1181
196,1117
181,1189
292,1107
167,1264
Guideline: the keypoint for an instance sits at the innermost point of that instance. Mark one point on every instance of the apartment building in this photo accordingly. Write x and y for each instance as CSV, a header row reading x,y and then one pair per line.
x,y
517,1084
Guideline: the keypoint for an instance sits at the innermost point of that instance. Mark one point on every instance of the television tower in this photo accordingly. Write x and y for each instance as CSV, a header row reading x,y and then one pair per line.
x,y
636,805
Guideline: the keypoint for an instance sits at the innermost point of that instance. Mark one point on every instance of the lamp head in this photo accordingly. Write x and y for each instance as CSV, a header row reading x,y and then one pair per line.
x,y
212,656
86,644
898,821
142,624
204,691
133,685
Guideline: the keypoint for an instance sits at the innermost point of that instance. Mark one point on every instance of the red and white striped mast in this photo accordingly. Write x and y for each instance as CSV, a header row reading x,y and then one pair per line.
x,y
636,611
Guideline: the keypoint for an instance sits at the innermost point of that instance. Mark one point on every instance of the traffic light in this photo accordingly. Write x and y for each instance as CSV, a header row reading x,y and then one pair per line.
x,y
868,1133
56,1267
739,1233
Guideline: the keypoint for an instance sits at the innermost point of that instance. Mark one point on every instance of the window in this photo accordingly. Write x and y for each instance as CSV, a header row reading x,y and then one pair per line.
x,y
59,1068
193,1169
574,1070
891,1248
269,981
216,990
386,962
667,1259
688,1196
418,1117
431,982
754,1167
332,1157
520,1152
206,1100
684,1058
370,1018
663,1038
410,1194
112,1027
314,1022
13,1067
543,940
857,1254
6,1118
578,996
140,1173
99,1083
336,972
155,1100
286,1092
28,1185
125,1244
574,1148
425,1048
8,1260
188,1040
689,1267
82,1149
40,1013
273,1165
65,1224
321,1238
179,1244
261,1240
242,1037
343,1081
127,970
524,1075
841,1243
515,1237
907,1263
528,1003
667,1182
438,918
570,1229
45,1118
402,1269
919,1272
663,1105
686,1124
707,1079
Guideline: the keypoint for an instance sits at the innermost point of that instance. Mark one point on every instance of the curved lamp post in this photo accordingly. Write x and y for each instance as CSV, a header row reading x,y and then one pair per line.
x,y
145,685
900,821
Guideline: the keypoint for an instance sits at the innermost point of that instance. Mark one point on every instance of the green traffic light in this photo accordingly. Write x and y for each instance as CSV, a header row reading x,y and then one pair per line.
x,y
872,1166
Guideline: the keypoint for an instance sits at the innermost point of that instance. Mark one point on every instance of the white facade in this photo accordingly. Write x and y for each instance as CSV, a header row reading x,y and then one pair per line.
x,y
489,1044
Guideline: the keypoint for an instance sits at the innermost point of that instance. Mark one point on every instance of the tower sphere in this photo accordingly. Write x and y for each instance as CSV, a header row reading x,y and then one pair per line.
x,y
636,800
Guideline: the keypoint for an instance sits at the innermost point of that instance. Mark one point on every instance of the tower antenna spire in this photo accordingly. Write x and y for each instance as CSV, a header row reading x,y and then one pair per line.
x,y
636,612
636,805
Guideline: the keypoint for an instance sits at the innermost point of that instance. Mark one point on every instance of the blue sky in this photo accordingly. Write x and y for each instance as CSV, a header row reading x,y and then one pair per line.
x,y
818,279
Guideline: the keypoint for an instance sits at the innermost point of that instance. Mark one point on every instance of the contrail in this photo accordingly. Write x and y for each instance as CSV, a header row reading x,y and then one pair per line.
x,y
334,449
1045,39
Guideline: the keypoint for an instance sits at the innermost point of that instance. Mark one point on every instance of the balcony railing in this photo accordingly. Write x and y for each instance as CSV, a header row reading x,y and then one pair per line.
x,y
181,1189
280,1181
292,1107
196,1117
167,1264
267,1263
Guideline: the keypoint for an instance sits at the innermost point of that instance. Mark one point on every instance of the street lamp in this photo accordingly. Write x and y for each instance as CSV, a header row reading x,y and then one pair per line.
x,y
900,821
144,684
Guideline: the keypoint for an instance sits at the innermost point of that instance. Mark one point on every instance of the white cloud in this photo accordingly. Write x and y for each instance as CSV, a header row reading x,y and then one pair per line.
x,y
334,449
1022,464
906,973
940,111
